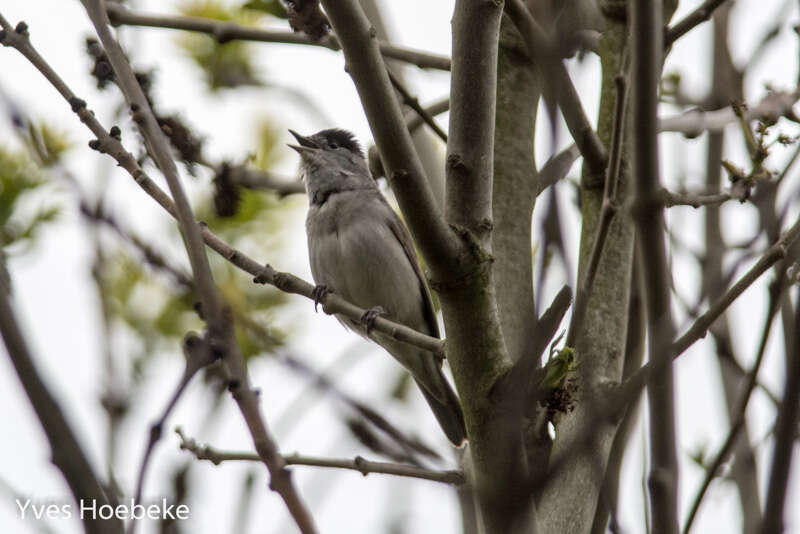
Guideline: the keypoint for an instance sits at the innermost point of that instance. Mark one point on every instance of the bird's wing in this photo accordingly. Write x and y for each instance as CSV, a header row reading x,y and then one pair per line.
x,y
401,233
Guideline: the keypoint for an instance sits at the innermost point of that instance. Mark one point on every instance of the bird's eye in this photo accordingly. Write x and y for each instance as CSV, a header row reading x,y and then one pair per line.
x,y
333,145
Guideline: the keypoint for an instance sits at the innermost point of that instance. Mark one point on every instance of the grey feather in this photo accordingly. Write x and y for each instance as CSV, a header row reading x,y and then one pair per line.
x,y
360,249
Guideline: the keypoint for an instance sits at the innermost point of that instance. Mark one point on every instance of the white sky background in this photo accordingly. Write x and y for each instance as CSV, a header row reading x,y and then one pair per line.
x,y
56,298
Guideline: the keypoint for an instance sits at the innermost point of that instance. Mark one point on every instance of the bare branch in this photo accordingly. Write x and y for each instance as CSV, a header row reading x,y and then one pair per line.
x,y
775,296
366,67
692,123
437,108
221,329
227,31
785,437
158,146
413,102
701,14
607,211
700,327
332,304
557,167
540,49
67,454
470,152
646,39
259,180
197,354
695,200
362,465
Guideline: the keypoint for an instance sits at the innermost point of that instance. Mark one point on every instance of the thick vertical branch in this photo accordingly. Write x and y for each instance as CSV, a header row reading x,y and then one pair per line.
x,y
515,188
727,87
785,432
457,251
470,157
607,506
568,502
475,343
646,46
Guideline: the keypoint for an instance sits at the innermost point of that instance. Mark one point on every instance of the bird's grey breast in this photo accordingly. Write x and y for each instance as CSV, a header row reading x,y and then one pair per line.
x,y
354,251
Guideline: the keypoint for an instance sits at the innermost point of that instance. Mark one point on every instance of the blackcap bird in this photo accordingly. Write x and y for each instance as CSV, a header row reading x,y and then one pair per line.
x,y
360,249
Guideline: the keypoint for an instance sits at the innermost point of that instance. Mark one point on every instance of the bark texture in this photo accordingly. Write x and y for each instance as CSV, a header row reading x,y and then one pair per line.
x,y
568,503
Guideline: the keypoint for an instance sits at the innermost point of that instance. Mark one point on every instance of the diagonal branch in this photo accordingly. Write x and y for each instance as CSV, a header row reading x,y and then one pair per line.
x,y
366,67
221,330
67,454
437,108
775,295
698,16
557,167
197,354
700,326
105,143
541,50
228,31
413,102
607,211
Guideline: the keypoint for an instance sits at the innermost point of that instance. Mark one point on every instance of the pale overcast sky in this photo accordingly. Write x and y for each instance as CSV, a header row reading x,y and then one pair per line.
x,y
56,298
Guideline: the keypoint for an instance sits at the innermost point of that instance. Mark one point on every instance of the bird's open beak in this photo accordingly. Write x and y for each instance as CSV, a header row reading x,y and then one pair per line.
x,y
302,150
304,141
307,146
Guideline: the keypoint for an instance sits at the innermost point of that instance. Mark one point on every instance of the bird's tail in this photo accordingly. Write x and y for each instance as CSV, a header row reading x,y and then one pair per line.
x,y
448,413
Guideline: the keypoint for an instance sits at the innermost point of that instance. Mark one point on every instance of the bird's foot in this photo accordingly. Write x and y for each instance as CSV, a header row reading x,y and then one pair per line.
x,y
319,294
265,276
368,319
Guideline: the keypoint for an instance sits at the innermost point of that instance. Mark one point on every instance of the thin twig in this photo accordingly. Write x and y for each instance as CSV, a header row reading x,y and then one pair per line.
x,y
227,31
362,465
413,102
775,295
700,327
541,50
690,21
67,454
692,123
557,167
695,200
437,108
197,354
332,303
607,212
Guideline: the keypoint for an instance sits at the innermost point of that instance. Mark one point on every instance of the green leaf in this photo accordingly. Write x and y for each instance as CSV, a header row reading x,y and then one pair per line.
x,y
225,65
270,7
558,367
48,143
20,177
